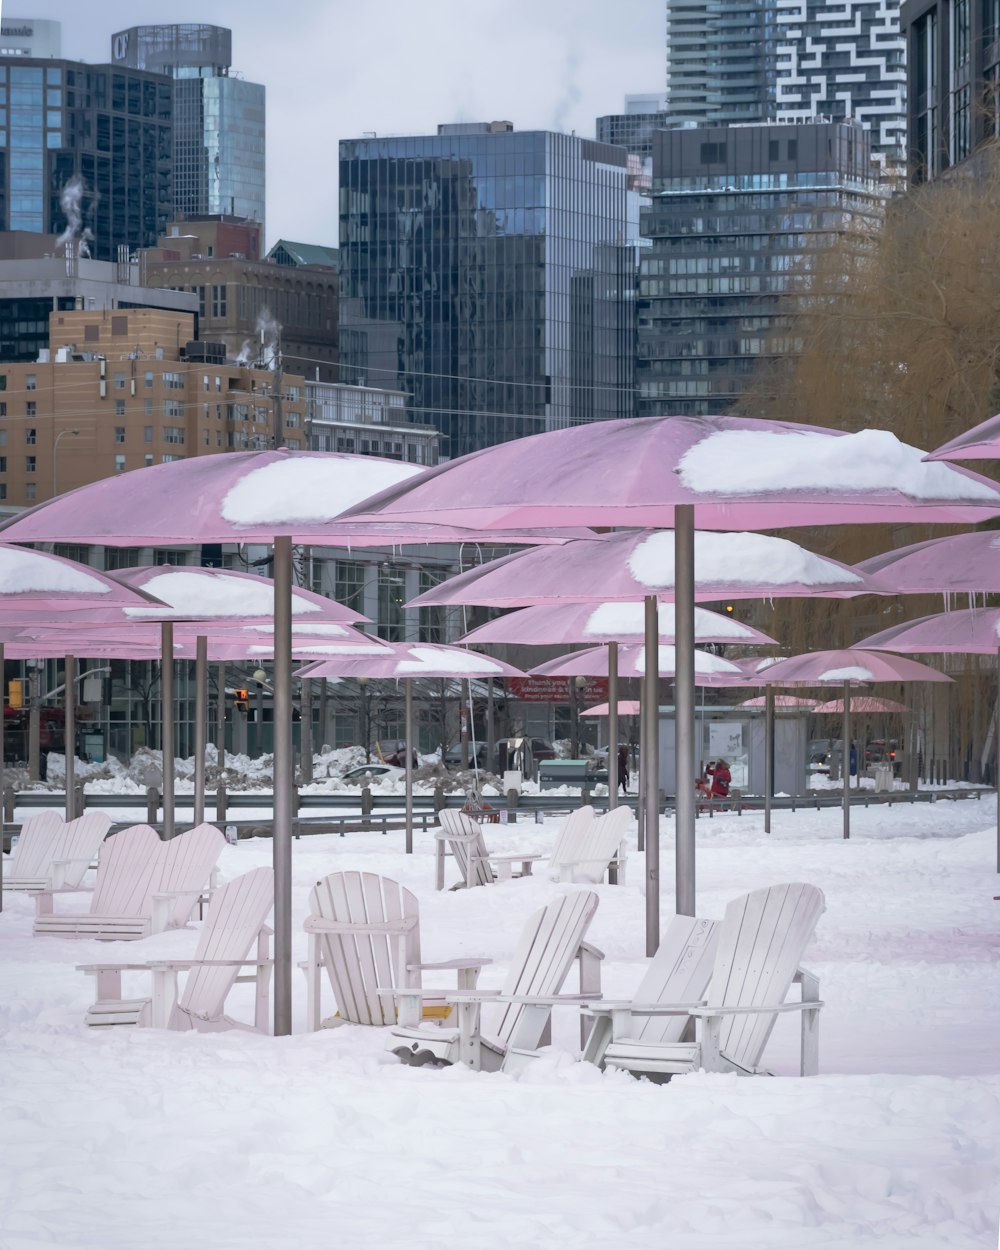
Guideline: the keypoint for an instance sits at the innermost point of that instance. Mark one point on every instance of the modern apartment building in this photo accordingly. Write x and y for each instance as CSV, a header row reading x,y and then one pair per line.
x,y
120,389
953,70
721,61
218,117
367,421
485,272
738,217
85,153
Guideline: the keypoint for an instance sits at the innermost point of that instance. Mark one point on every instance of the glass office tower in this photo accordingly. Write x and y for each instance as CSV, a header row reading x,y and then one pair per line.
x,y
85,149
486,273
218,119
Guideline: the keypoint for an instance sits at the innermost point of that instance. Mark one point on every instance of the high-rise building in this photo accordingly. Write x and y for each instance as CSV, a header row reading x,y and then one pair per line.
x,y
486,272
634,128
953,70
29,36
738,217
720,61
85,153
218,117
845,59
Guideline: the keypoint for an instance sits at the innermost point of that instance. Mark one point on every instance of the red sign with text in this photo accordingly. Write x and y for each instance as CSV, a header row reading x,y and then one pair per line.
x,y
557,690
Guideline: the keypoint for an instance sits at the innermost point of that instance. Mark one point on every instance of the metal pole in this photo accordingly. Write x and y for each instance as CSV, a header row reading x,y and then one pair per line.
x,y
640,803
612,725
69,735
283,765
684,708
651,775
306,731
34,724
167,723
845,753
3,748
408,704
491,729
220,741
768,754
200,726
996,745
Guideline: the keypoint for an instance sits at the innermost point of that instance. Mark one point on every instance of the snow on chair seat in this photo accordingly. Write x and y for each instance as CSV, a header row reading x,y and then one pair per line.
x,y
760,942
464,837
551,941
364,932
236,919
144,885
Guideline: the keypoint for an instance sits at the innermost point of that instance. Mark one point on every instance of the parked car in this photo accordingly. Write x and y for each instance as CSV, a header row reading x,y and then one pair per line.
x,y
453,756
375,771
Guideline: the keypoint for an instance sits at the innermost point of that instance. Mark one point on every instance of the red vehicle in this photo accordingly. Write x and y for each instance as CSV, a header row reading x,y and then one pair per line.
x,y
51,731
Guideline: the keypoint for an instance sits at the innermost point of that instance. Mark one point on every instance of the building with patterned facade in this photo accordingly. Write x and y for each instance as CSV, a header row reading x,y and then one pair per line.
x,y
218,117
953,51
737,218
487,273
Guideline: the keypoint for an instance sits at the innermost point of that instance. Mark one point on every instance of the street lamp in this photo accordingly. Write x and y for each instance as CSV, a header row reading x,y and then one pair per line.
x,y
365,716
55,449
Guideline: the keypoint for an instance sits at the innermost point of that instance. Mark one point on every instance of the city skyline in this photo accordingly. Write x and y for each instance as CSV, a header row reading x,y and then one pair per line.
x,y
460,66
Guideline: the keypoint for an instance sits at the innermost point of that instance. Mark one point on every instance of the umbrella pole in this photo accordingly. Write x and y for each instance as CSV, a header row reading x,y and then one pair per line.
x,y
408,703
845,753
220,733
306,730
651,778
167,723
640,801
69,734
768,754
684,708
3,747
996,745
200,712
612,725
283,764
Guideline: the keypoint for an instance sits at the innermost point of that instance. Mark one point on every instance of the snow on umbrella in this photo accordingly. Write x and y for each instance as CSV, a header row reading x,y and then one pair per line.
x,y
982,442
710,670
847,668
546,624
405,661
713,472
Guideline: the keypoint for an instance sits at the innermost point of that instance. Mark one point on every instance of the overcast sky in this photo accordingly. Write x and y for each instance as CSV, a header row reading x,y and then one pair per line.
x,y
334,70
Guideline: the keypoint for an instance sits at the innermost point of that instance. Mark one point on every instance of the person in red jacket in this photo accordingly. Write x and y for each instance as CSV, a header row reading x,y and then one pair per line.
x,y
720,779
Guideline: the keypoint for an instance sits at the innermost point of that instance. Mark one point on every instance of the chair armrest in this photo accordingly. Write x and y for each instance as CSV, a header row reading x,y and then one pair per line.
x,y
661,1009
708,1012
170,894
445,964
112,967
607,1005
180,964
506,859
319,924
528,1000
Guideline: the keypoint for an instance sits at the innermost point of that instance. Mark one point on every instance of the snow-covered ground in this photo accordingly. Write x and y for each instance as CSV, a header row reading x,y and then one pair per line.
x,y
126,1138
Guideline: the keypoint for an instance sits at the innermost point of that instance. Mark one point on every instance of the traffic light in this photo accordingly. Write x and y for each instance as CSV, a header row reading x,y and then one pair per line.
x,y
15,693
240,698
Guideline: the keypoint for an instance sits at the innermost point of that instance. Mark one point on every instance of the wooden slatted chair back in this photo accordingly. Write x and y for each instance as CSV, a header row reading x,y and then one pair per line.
x,y
601,843
82,841
574,828
469,842
384,938
128,872
761,941
41,840
678,973
235,917
545,952
188,861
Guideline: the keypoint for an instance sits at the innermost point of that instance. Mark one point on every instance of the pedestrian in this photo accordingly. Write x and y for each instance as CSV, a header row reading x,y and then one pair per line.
x,y
721,779
623,767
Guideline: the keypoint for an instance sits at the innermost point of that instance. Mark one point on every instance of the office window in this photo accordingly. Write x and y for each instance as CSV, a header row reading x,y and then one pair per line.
x,y
31,409
3,490
148,458
119,464
173,381
31,436
173,434
121,558
31,382
349,585
30,464
3,438
391,597
148,379
3,464
119,434
30,491
119,407
119,381
170,459
218,301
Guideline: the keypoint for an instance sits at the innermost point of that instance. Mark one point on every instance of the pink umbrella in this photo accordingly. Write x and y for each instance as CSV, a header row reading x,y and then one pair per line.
x,y
861,704
626,707
982,442
710,670
780,700
847,668
710,472
607,622
951,565
629,566
405,661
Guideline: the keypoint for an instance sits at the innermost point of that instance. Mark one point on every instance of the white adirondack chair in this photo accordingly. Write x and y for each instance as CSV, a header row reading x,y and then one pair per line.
x,y
143,885
760,942
29,864
235,921
464,836
364,933
82,841
551,941
587,849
